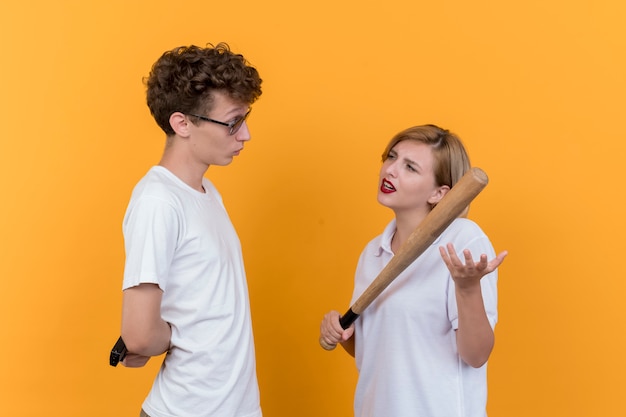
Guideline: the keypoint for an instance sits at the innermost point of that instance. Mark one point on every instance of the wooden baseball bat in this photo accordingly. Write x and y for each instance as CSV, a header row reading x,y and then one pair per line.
x,y
449,208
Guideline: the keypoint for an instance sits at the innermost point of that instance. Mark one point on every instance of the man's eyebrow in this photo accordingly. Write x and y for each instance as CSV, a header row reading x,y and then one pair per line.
x,y
237,111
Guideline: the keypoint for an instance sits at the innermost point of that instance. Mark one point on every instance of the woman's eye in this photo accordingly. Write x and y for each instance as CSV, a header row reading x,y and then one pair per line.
x,y
410,168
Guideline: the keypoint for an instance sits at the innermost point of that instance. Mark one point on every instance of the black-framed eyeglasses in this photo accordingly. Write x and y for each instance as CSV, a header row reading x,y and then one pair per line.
x,y
233,125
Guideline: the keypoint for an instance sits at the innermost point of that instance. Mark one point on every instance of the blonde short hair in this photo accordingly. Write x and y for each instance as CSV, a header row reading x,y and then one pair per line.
x,y
451,160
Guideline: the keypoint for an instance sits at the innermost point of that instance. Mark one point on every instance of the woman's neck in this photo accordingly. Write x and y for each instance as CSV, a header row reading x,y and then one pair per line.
x,y
406,223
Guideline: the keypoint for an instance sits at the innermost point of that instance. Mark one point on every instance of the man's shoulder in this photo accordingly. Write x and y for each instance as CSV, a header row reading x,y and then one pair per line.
x,y
157,182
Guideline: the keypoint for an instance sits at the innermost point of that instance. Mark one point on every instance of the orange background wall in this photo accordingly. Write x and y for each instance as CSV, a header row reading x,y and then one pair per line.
x,y
536,90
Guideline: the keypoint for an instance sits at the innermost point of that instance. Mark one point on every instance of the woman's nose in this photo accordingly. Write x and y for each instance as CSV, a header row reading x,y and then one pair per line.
x,y
390,168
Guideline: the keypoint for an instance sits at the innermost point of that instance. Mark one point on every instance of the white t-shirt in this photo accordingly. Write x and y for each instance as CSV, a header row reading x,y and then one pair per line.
x,y
405,339
184,241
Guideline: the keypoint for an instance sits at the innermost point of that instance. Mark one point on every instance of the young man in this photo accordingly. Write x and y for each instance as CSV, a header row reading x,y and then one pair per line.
x,y
185,290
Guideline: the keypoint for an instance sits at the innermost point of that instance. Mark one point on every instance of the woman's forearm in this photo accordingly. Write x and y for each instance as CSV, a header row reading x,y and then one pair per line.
x,y
475,338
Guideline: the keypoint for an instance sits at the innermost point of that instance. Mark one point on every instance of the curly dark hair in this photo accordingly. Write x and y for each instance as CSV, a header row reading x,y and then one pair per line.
x,y
184,79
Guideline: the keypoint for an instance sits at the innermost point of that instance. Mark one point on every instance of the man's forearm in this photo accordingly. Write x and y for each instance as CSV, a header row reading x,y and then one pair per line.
x,y
150,340
143,329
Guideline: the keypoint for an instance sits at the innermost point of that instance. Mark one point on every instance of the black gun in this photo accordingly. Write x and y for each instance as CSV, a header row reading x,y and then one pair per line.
x,y
118,352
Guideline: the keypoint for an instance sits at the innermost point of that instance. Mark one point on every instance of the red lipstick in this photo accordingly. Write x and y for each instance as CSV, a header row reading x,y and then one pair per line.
x,y
387,187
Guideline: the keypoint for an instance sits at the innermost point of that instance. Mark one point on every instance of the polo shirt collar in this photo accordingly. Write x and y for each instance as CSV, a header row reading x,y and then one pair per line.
x,y
385,239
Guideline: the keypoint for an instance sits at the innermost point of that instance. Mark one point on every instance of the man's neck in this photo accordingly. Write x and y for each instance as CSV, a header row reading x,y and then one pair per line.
x,y
187,170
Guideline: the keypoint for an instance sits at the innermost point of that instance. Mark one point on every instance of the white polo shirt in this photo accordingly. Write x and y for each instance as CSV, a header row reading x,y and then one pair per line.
x,y
406,350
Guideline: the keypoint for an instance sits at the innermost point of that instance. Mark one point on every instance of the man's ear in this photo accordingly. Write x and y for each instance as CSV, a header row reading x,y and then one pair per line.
x,y
438,194
180,124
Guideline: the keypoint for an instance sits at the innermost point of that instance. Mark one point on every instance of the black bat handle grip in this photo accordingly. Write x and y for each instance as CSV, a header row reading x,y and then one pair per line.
x,y
347,319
